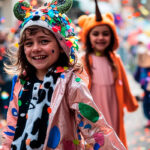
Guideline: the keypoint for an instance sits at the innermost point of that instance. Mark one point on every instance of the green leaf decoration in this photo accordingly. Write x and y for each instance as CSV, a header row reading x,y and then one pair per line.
x,y
51,21
18,10
63,31
88,112
77,47
70,20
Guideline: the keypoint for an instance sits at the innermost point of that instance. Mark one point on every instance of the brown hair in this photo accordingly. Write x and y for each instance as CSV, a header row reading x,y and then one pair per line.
x,y
108,50
19,64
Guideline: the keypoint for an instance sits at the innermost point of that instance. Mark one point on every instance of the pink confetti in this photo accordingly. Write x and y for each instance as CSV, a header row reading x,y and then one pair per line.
x,y
69,44
5,107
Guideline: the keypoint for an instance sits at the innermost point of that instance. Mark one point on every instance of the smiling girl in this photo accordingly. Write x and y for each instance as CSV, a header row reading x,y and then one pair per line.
x,y
51,106
108,81
41,50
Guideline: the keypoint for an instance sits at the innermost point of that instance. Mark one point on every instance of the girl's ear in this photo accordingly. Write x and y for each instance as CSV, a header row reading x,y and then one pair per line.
x,y
20,9
110,16
82,19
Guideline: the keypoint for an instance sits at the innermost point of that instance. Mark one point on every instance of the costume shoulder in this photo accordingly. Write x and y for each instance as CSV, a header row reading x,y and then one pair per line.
x,y
77,77
116,57
115,54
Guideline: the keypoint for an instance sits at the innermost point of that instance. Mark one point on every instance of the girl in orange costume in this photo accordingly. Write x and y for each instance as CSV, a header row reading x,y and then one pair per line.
x,y
108,81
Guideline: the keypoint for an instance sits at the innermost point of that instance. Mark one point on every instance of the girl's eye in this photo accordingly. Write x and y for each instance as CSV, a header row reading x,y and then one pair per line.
x,y
103,34
44,42
28,44
106,34
96,34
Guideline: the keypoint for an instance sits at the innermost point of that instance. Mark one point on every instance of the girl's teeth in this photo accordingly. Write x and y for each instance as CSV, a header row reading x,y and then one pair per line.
x,y
39,57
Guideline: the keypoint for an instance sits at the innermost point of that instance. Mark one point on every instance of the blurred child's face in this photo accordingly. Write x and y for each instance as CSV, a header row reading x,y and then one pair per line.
x,y
100,38
41,50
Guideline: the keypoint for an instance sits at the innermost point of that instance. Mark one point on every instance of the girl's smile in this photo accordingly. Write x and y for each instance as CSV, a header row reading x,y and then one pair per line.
x,y
39,57
42,50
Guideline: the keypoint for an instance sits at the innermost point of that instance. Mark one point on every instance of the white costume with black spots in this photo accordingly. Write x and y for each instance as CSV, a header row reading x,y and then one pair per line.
x,y
33,113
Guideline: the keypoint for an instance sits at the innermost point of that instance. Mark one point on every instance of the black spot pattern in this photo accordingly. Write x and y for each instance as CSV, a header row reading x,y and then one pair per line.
x,y
40,122
41,95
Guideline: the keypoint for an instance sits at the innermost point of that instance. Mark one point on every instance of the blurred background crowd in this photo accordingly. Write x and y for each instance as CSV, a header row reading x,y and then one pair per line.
x,y
132,18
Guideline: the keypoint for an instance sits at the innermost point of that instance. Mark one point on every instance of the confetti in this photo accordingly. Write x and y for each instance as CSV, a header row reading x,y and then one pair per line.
x,y
59,69
143,10
4,95
69,44
136,14
65,68
124,1
19,103
28,142
5,107
16,45
78,79
13,30
49,110
143,1
62,76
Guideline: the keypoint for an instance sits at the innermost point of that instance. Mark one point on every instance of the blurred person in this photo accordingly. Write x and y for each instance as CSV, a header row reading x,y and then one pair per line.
x,y
108,81
5,80
142,74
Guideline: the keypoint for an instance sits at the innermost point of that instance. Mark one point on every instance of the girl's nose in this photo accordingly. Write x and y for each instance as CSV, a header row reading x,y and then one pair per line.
x,y
100,36
36,47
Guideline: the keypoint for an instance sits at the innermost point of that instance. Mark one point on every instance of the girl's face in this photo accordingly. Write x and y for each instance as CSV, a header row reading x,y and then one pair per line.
x,y
41,50
100,38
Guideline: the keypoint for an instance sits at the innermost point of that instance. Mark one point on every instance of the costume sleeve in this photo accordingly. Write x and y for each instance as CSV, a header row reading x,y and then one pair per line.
x,y
91,124
130,101
9,130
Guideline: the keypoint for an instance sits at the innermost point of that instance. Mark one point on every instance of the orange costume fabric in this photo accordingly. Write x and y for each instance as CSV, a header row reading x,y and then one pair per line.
x,y
123,93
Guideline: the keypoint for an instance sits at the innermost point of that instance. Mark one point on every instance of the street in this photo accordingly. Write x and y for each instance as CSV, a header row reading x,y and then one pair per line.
x,y
138,137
